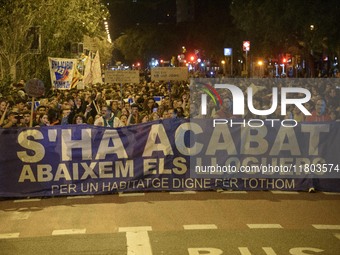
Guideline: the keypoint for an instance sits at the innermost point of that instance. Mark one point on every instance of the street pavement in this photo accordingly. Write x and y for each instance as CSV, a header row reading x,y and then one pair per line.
x,y
179,223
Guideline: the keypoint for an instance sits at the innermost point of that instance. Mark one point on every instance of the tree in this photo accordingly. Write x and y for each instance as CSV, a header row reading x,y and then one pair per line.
x,y
15,24
276,26
210,31
60,22
146,41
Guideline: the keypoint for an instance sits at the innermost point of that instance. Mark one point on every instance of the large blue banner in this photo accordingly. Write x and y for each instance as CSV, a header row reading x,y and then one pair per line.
x,y
155,156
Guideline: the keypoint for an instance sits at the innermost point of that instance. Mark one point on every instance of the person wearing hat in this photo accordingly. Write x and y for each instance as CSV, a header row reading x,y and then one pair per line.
x,y
12,120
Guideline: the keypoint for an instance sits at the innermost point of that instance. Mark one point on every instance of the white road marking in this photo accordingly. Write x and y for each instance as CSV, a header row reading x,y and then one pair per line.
x,y
189,192
131,194
264,226
337,236
79,197
27,200
233,192
282,192
9,235
329,227
68,232
332,193
199,226
138,242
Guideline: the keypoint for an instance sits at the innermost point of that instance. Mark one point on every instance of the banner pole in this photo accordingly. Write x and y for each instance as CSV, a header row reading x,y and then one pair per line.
x,y
95,106
32,109
121,93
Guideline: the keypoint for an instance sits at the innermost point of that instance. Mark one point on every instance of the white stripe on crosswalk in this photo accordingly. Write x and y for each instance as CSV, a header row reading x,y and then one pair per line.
x,y
329,227
189,192
68,232
233,192
283,192
253,226
332,193
131,194
27,200
199,226
79,197
9,235
138,242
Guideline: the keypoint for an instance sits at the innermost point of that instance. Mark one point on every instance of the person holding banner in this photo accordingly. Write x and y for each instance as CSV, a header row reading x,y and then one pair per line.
x,y
107,119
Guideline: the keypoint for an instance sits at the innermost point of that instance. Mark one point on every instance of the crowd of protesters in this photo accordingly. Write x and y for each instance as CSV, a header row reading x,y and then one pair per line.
x,y
100,105
129,104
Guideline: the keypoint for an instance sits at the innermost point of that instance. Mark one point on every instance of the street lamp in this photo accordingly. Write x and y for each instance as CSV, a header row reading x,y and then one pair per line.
x,y
223,64
260,64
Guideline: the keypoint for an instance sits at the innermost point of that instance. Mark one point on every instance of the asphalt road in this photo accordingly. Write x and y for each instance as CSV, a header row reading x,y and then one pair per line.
x,y
189,223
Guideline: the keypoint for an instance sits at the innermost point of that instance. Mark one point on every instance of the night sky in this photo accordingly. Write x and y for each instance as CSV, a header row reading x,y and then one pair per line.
x,y
128,13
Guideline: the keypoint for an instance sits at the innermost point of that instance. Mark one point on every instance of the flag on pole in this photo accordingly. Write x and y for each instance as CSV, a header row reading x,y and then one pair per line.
x,y
76,77
96,70
93,72
87,79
